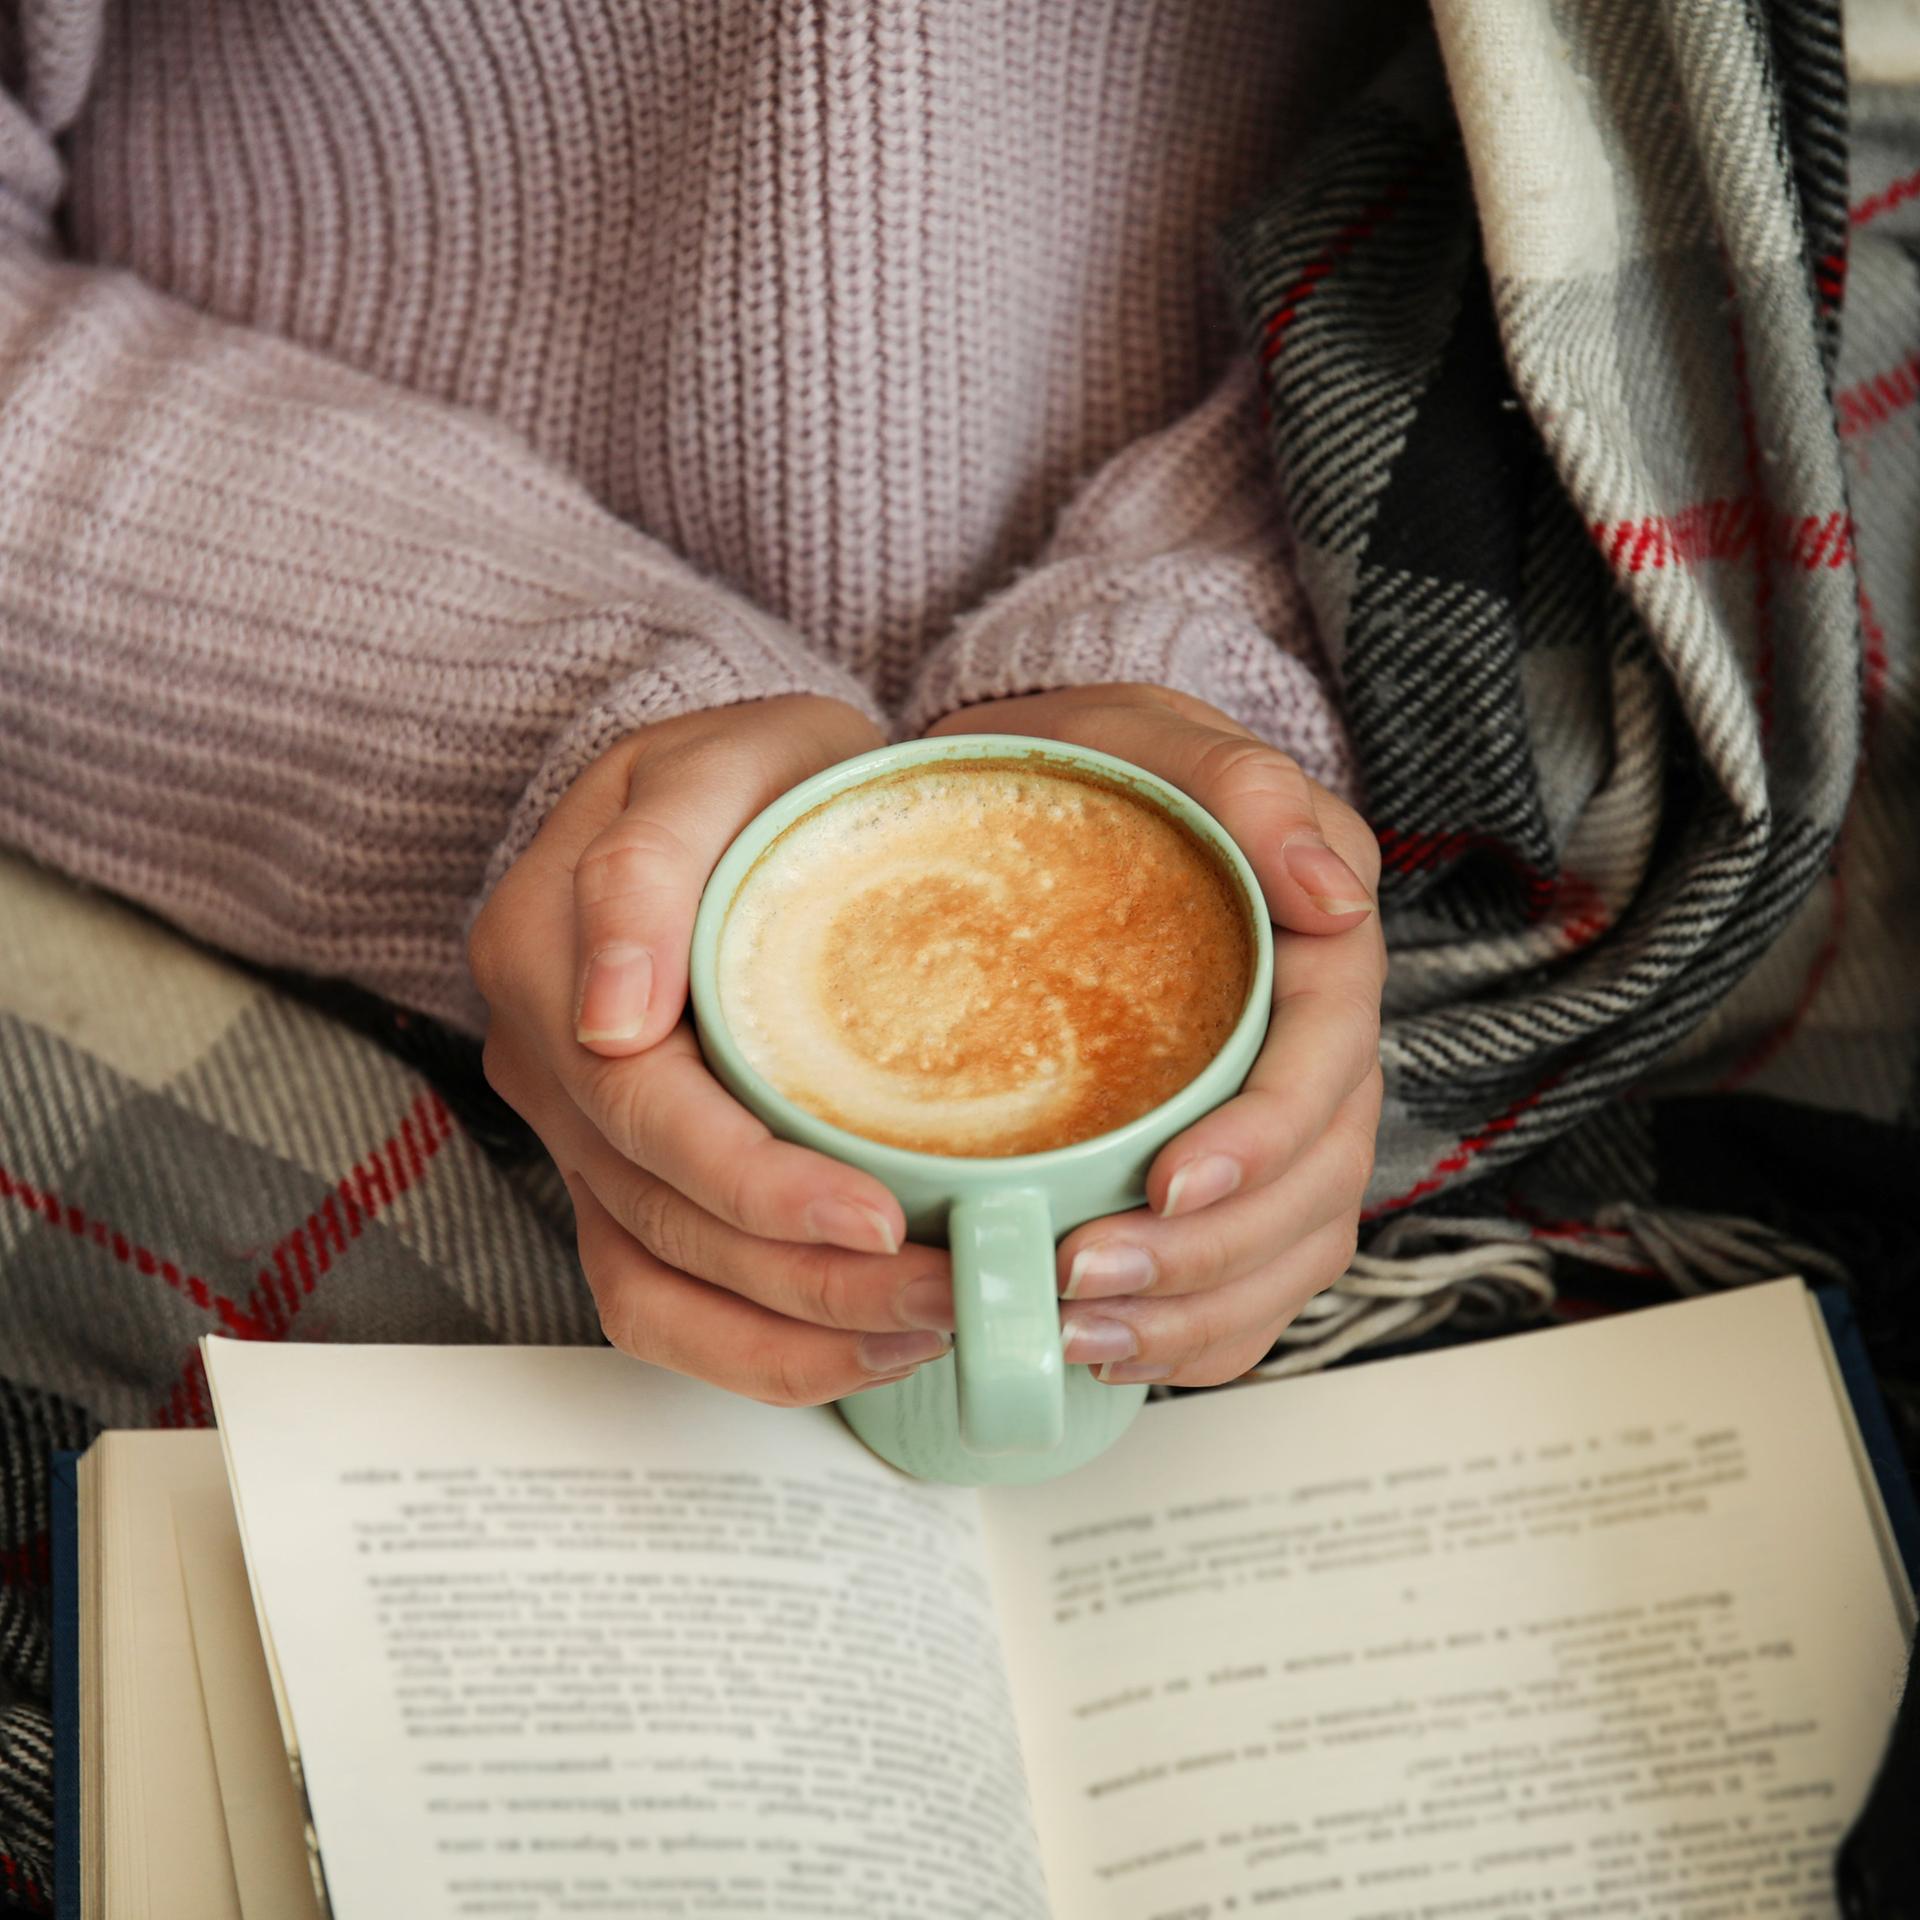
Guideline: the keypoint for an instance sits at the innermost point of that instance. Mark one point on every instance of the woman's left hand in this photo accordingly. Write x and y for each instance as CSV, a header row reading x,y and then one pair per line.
x,y
1255,1208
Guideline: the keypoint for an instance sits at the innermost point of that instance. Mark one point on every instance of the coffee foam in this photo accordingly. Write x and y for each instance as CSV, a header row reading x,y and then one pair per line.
x,y
979,958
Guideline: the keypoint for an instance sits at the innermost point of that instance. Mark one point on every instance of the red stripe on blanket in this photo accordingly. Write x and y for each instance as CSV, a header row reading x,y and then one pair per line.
x,y
1405,852
1867,403
1541,1227
30,1564
20,1885
188,1402
1889,197
1578,899
111,1241
1873,672
1710,530
378,1178
1274,334
374,1182
1462,1156
1587,915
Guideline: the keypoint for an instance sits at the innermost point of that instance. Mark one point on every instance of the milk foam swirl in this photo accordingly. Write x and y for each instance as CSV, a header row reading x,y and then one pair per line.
x,y
983,959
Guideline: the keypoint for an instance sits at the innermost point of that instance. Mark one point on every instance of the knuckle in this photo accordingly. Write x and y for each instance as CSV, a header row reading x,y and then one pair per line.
x,y
1344,1248
1279,1133
1227,1362
1237,776
1349,1014
621,1320
627,861
786,1379
1357,1007
740,1197
1366,853
660,1219
829,1293
1209,1251
1350,836
1355,1167
1241,771
619,1104
490,947
496,1064
483,957
1197,1330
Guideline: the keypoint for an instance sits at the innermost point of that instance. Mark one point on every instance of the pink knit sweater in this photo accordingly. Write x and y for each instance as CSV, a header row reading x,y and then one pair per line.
x,y
400,401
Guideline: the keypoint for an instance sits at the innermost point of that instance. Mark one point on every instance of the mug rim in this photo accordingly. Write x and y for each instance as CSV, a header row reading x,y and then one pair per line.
x,y
794,1122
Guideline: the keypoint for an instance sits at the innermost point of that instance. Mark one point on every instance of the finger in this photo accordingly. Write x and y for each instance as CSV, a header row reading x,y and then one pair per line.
x,y
637,884
1202,1339
1324,1040
822,1285
1280,820
667,1114
657,1314
1139,1252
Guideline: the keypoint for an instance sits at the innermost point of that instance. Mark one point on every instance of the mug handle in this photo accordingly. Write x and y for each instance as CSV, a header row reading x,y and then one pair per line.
x,y
1006,1312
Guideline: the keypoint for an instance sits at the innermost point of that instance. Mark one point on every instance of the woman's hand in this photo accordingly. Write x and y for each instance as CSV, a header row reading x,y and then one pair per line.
x,y
711,1247
1255,1208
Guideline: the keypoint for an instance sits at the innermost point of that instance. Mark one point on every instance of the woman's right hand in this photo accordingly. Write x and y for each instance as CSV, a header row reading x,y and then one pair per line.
x,y
711,1247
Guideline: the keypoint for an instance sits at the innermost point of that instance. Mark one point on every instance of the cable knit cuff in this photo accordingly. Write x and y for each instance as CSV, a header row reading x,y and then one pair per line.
x,y
1170,568
1131,626
752,658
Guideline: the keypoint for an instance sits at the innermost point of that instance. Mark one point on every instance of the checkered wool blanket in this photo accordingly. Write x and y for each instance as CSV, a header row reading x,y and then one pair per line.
x,y
1591,379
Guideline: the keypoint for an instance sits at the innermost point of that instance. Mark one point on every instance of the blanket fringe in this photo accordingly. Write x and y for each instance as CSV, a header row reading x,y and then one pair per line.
x,y
1492,1275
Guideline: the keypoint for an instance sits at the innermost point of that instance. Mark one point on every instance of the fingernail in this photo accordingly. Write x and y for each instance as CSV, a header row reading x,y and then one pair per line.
x,y
1087,1342
1098,1272
845,1223
889,1352
1200,1183
613,1003
1125,1376
1323,876
927,1303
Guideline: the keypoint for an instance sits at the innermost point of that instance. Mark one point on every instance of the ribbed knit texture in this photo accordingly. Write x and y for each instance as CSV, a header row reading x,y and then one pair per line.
x,y
479,383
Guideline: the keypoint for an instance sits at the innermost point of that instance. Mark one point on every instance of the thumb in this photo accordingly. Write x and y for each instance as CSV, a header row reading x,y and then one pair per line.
x,y
1307,849
637,884
1286,826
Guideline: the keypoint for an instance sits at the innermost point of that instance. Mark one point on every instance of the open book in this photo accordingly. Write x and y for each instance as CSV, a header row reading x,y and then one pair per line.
x,y
1598,1619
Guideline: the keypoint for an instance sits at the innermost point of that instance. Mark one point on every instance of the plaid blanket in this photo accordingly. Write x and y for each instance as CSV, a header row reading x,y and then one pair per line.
x,y
1591,382
1591,396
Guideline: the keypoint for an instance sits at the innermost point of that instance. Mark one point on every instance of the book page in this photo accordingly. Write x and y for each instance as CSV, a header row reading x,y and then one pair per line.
x,y
560,1633
1591,1620
266,1826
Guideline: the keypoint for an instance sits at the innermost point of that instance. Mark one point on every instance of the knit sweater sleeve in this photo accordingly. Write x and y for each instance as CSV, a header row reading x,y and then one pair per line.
x,y
1171,566
295,658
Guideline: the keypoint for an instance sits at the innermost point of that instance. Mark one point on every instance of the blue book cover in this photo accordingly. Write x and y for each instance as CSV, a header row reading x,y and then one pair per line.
x,y
1875,1424
65,1502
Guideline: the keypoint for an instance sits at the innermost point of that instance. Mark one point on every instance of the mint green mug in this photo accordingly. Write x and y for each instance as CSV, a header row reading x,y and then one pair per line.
x,y
1002,1405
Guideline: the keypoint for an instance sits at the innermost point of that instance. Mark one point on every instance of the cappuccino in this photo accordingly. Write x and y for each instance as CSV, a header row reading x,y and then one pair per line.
x,y
984,957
